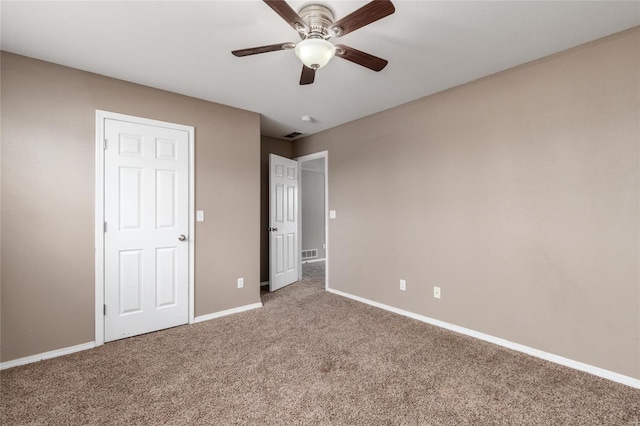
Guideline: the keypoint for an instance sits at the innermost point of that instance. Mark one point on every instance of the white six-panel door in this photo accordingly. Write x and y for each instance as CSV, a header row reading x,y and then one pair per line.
x,y
146,210
283,221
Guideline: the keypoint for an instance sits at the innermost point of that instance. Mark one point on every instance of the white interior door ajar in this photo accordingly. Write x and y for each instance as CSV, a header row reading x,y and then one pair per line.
x,y
146,210
283,221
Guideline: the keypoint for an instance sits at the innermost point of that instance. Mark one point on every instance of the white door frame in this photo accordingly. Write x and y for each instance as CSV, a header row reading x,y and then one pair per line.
x,y
99,211
325,155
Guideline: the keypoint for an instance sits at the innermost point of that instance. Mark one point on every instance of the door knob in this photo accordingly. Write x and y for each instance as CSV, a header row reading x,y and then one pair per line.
x,y
272,229
182,238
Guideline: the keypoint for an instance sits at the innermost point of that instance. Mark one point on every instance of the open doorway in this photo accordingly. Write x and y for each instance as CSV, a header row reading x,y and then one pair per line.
x,y
313,233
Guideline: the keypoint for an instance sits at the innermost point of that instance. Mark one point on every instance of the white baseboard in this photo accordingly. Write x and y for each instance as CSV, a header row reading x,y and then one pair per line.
x,y
47,355
227,312
597,371
313,260
91,345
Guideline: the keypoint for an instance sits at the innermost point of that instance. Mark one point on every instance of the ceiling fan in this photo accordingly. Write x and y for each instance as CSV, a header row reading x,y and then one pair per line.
x,y
315,25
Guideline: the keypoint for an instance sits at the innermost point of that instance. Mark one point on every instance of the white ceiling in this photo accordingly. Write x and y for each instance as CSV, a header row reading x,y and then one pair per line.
x,y
184,47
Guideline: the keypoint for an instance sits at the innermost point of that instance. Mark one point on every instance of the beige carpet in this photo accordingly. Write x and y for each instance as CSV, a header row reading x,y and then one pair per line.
x,y
309,357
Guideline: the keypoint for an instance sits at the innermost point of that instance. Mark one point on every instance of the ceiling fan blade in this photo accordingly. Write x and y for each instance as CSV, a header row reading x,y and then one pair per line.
x,y
263,49
283,9
370,12
308,75
361,58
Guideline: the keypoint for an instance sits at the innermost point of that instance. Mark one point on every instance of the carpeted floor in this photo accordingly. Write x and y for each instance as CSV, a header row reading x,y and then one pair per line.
x,y
309,357
313,271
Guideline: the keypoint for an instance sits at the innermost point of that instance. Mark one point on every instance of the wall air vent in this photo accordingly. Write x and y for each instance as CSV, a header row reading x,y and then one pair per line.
x,y
309,254
293,135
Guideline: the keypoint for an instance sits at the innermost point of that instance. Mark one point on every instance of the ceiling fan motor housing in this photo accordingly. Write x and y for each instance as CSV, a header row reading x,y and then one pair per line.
x,y
319,18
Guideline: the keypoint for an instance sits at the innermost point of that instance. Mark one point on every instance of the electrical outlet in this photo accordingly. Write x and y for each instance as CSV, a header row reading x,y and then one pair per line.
x,y
403,285
240,282
436,292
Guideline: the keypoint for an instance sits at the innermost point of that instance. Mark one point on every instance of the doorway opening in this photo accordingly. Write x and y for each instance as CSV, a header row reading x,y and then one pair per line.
x,y
313,213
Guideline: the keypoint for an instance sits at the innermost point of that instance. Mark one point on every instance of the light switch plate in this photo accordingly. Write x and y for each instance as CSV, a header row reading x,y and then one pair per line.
x,y
200,216
332,214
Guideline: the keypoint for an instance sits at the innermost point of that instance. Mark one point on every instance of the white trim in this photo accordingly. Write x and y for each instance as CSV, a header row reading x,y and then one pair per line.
x,y
192,223
99,212
227,312
99,231
313,260
309,157
577,365
90,345
47,355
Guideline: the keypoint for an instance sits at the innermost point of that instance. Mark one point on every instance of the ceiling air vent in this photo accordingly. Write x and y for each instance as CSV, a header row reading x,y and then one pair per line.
x,y
293,135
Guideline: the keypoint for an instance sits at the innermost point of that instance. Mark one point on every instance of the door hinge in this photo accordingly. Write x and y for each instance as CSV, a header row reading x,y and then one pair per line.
x,y
104,145
105,227
104,310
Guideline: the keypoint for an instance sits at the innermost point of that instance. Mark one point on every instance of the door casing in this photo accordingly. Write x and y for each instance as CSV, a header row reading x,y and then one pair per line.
x,y
99,211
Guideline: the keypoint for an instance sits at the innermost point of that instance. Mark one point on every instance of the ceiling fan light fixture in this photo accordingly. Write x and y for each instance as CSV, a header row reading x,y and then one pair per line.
x,y
315,52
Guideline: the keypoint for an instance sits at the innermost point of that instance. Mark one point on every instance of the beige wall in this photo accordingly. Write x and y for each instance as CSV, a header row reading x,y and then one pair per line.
x,y
284,149
517,194
48,134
